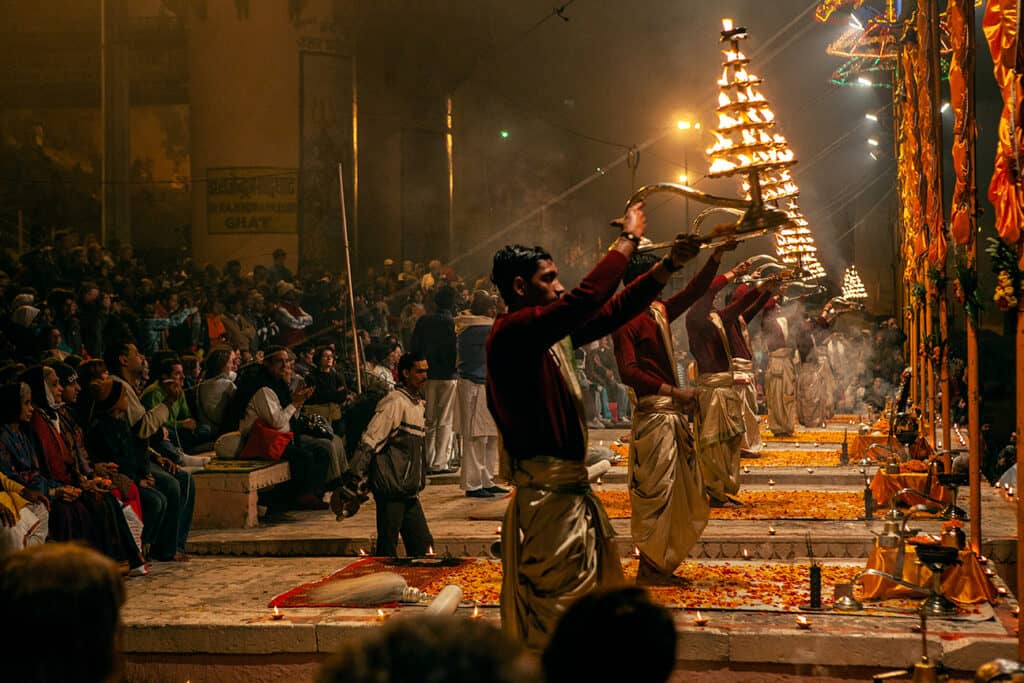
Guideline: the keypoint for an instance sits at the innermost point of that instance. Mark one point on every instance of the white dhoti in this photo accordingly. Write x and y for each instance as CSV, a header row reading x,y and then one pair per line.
x,y
719,434
745,384
780,391
557,545
440,395
473,422
666,488
811,394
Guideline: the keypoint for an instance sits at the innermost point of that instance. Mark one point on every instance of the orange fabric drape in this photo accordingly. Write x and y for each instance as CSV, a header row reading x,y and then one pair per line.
x,y
1006,191
884,486
965,583
964,125
933,240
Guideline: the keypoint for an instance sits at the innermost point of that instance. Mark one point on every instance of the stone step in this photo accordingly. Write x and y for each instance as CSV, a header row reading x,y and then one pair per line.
x,y
756,476
208,620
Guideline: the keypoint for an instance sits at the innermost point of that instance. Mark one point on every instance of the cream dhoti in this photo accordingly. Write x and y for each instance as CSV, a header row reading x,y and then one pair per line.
x,y
557,545
719,434
811,393
666,488
746,386
780,391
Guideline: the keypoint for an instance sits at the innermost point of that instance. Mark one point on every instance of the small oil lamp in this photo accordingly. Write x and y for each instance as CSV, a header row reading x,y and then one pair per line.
x,y
700,619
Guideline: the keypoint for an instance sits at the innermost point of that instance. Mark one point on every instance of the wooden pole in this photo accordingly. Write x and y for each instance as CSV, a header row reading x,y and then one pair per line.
x,y
947,427
929,370
934,84
1020,470
348,279
973,388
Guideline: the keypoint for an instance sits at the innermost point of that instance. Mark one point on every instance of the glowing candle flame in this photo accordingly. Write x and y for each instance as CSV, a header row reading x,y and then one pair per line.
x,y
801,621
476,612
746,554
700,619
726,26
430,551
362,553
636,551
277,613
381,616
771,530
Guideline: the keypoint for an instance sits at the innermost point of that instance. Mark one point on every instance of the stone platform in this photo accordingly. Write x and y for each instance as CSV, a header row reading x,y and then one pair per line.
x,y
208,620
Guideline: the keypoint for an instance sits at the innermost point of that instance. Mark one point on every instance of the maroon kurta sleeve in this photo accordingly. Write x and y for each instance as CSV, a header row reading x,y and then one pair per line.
x,y
622,308
694,289
631,369
756,307
542,326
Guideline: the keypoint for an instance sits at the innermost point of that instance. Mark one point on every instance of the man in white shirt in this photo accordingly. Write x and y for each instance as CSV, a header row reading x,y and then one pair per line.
x,y
264,395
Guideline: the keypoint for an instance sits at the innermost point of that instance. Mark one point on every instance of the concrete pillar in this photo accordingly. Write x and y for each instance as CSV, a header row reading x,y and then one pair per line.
x,y
115,107
248,110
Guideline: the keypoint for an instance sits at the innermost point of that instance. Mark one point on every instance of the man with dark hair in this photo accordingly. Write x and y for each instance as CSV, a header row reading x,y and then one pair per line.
x,y
68,601
182,429
644,625
434,337
536,401
666,490
126,366
390,462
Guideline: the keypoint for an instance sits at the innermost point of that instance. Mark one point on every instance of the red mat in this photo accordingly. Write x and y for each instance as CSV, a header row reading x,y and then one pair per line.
x,y
417,572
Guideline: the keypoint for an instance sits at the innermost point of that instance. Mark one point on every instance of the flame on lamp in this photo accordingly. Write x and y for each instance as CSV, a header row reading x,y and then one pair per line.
x,y
726,26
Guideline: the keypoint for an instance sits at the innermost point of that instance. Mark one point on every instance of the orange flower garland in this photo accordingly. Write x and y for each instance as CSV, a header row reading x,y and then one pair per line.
x,y
830,505
793,458
809,436
709,585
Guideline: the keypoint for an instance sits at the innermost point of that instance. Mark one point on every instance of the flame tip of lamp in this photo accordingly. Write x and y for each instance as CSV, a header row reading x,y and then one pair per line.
x,y
727,24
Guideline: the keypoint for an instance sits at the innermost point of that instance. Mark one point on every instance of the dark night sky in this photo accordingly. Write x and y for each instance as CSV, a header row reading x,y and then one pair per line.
x,y
619,72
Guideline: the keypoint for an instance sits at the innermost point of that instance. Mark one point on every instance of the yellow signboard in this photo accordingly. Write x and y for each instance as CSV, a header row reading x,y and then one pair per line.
x,y
252,199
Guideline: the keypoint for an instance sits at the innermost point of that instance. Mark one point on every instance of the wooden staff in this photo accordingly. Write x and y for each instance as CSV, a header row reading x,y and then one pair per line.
x,y
348,279
973,389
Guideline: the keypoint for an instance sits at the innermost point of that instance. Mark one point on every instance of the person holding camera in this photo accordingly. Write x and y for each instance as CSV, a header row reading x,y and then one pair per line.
x,y
264,401
391,463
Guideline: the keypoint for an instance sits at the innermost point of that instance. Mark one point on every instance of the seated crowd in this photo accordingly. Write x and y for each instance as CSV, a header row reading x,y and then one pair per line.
x,y
115,379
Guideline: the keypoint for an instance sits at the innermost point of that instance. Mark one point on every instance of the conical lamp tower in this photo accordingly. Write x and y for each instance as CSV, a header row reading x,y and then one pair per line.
x,y
853,286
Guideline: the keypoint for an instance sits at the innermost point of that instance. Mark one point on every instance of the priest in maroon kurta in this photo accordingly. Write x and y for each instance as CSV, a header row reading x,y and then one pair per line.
x,y
556,539
669,508
720,423
743,376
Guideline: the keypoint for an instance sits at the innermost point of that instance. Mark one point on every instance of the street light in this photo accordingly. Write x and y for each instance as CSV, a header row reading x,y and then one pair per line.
x,y
865,82
873,142
945,107
684,125
871,117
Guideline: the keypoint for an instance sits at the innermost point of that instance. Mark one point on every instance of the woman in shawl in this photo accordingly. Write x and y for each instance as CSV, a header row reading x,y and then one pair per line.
x,y
90,512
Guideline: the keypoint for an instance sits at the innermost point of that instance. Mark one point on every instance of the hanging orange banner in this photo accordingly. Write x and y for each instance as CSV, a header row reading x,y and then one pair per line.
x,y
1001,24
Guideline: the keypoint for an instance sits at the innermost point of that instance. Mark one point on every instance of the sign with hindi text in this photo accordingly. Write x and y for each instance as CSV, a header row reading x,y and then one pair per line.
x,y
251,199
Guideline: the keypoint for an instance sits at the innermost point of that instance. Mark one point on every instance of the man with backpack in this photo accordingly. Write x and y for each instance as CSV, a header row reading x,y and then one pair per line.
x,y
390,462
